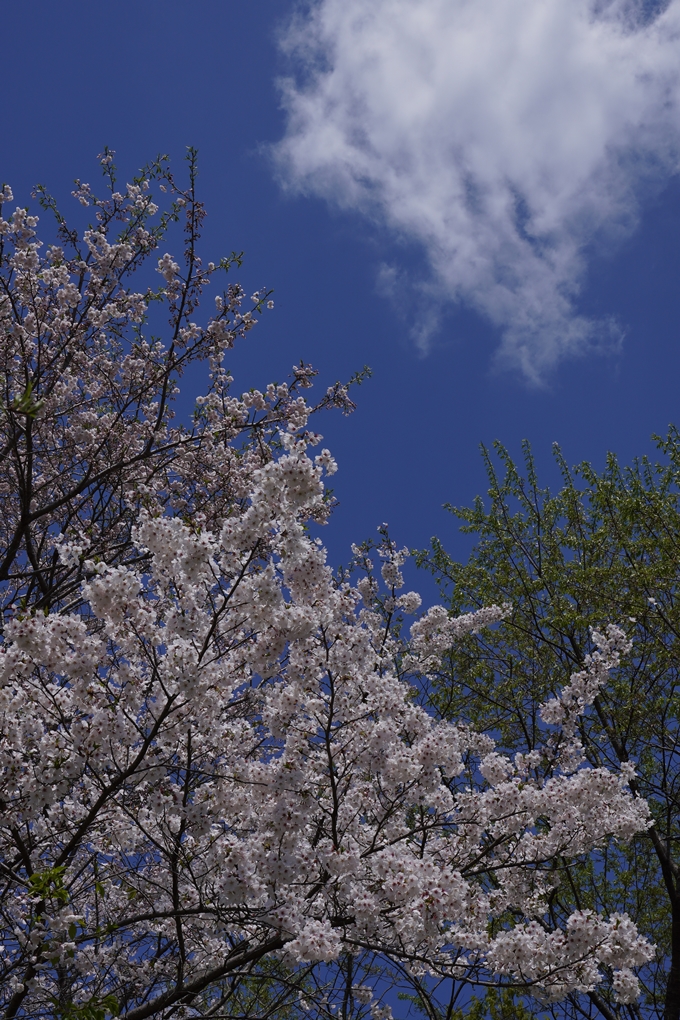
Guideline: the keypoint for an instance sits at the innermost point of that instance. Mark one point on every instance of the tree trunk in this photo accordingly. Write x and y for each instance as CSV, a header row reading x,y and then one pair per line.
x,y
672,1008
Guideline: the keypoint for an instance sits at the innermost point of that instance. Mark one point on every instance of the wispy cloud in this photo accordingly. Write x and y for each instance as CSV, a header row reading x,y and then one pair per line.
x,y
503,136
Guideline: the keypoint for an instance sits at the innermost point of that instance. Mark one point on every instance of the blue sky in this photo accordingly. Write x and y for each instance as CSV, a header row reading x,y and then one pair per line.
x,y
454,203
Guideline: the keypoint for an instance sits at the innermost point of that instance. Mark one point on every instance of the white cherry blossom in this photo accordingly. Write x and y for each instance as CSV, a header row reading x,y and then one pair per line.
x,y
212,757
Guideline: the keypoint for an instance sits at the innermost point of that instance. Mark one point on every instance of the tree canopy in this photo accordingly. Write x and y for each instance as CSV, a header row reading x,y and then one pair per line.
x,y
220,794
605,547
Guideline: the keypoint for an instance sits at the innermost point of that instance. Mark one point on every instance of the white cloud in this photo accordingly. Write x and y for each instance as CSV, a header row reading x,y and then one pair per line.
x,y
503,135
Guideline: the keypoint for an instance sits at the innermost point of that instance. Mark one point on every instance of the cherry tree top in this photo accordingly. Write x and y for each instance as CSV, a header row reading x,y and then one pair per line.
x,y
214,766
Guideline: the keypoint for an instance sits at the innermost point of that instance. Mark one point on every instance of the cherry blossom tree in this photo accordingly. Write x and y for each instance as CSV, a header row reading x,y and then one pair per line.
x,y
220,794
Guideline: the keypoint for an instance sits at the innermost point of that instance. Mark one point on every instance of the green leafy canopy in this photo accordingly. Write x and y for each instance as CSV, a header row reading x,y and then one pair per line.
x,y
605,548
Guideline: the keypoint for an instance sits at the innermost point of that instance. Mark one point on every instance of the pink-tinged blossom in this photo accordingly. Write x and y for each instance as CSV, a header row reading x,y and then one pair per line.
x,y
211,753
300,816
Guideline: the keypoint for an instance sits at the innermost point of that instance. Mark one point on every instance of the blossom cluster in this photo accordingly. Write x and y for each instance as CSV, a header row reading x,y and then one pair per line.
x,y
223,717
211,755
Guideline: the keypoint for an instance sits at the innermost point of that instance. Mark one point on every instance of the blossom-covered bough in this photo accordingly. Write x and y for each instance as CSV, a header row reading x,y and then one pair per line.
x,y
220,796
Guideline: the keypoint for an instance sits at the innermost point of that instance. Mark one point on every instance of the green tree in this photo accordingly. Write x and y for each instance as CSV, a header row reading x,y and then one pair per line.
x,y
604,548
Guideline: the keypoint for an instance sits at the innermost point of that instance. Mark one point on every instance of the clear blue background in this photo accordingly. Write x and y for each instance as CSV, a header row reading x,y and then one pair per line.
x,y
150,77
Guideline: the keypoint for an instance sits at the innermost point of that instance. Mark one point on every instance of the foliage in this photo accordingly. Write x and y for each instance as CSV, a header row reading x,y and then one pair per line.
x,y
604,547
